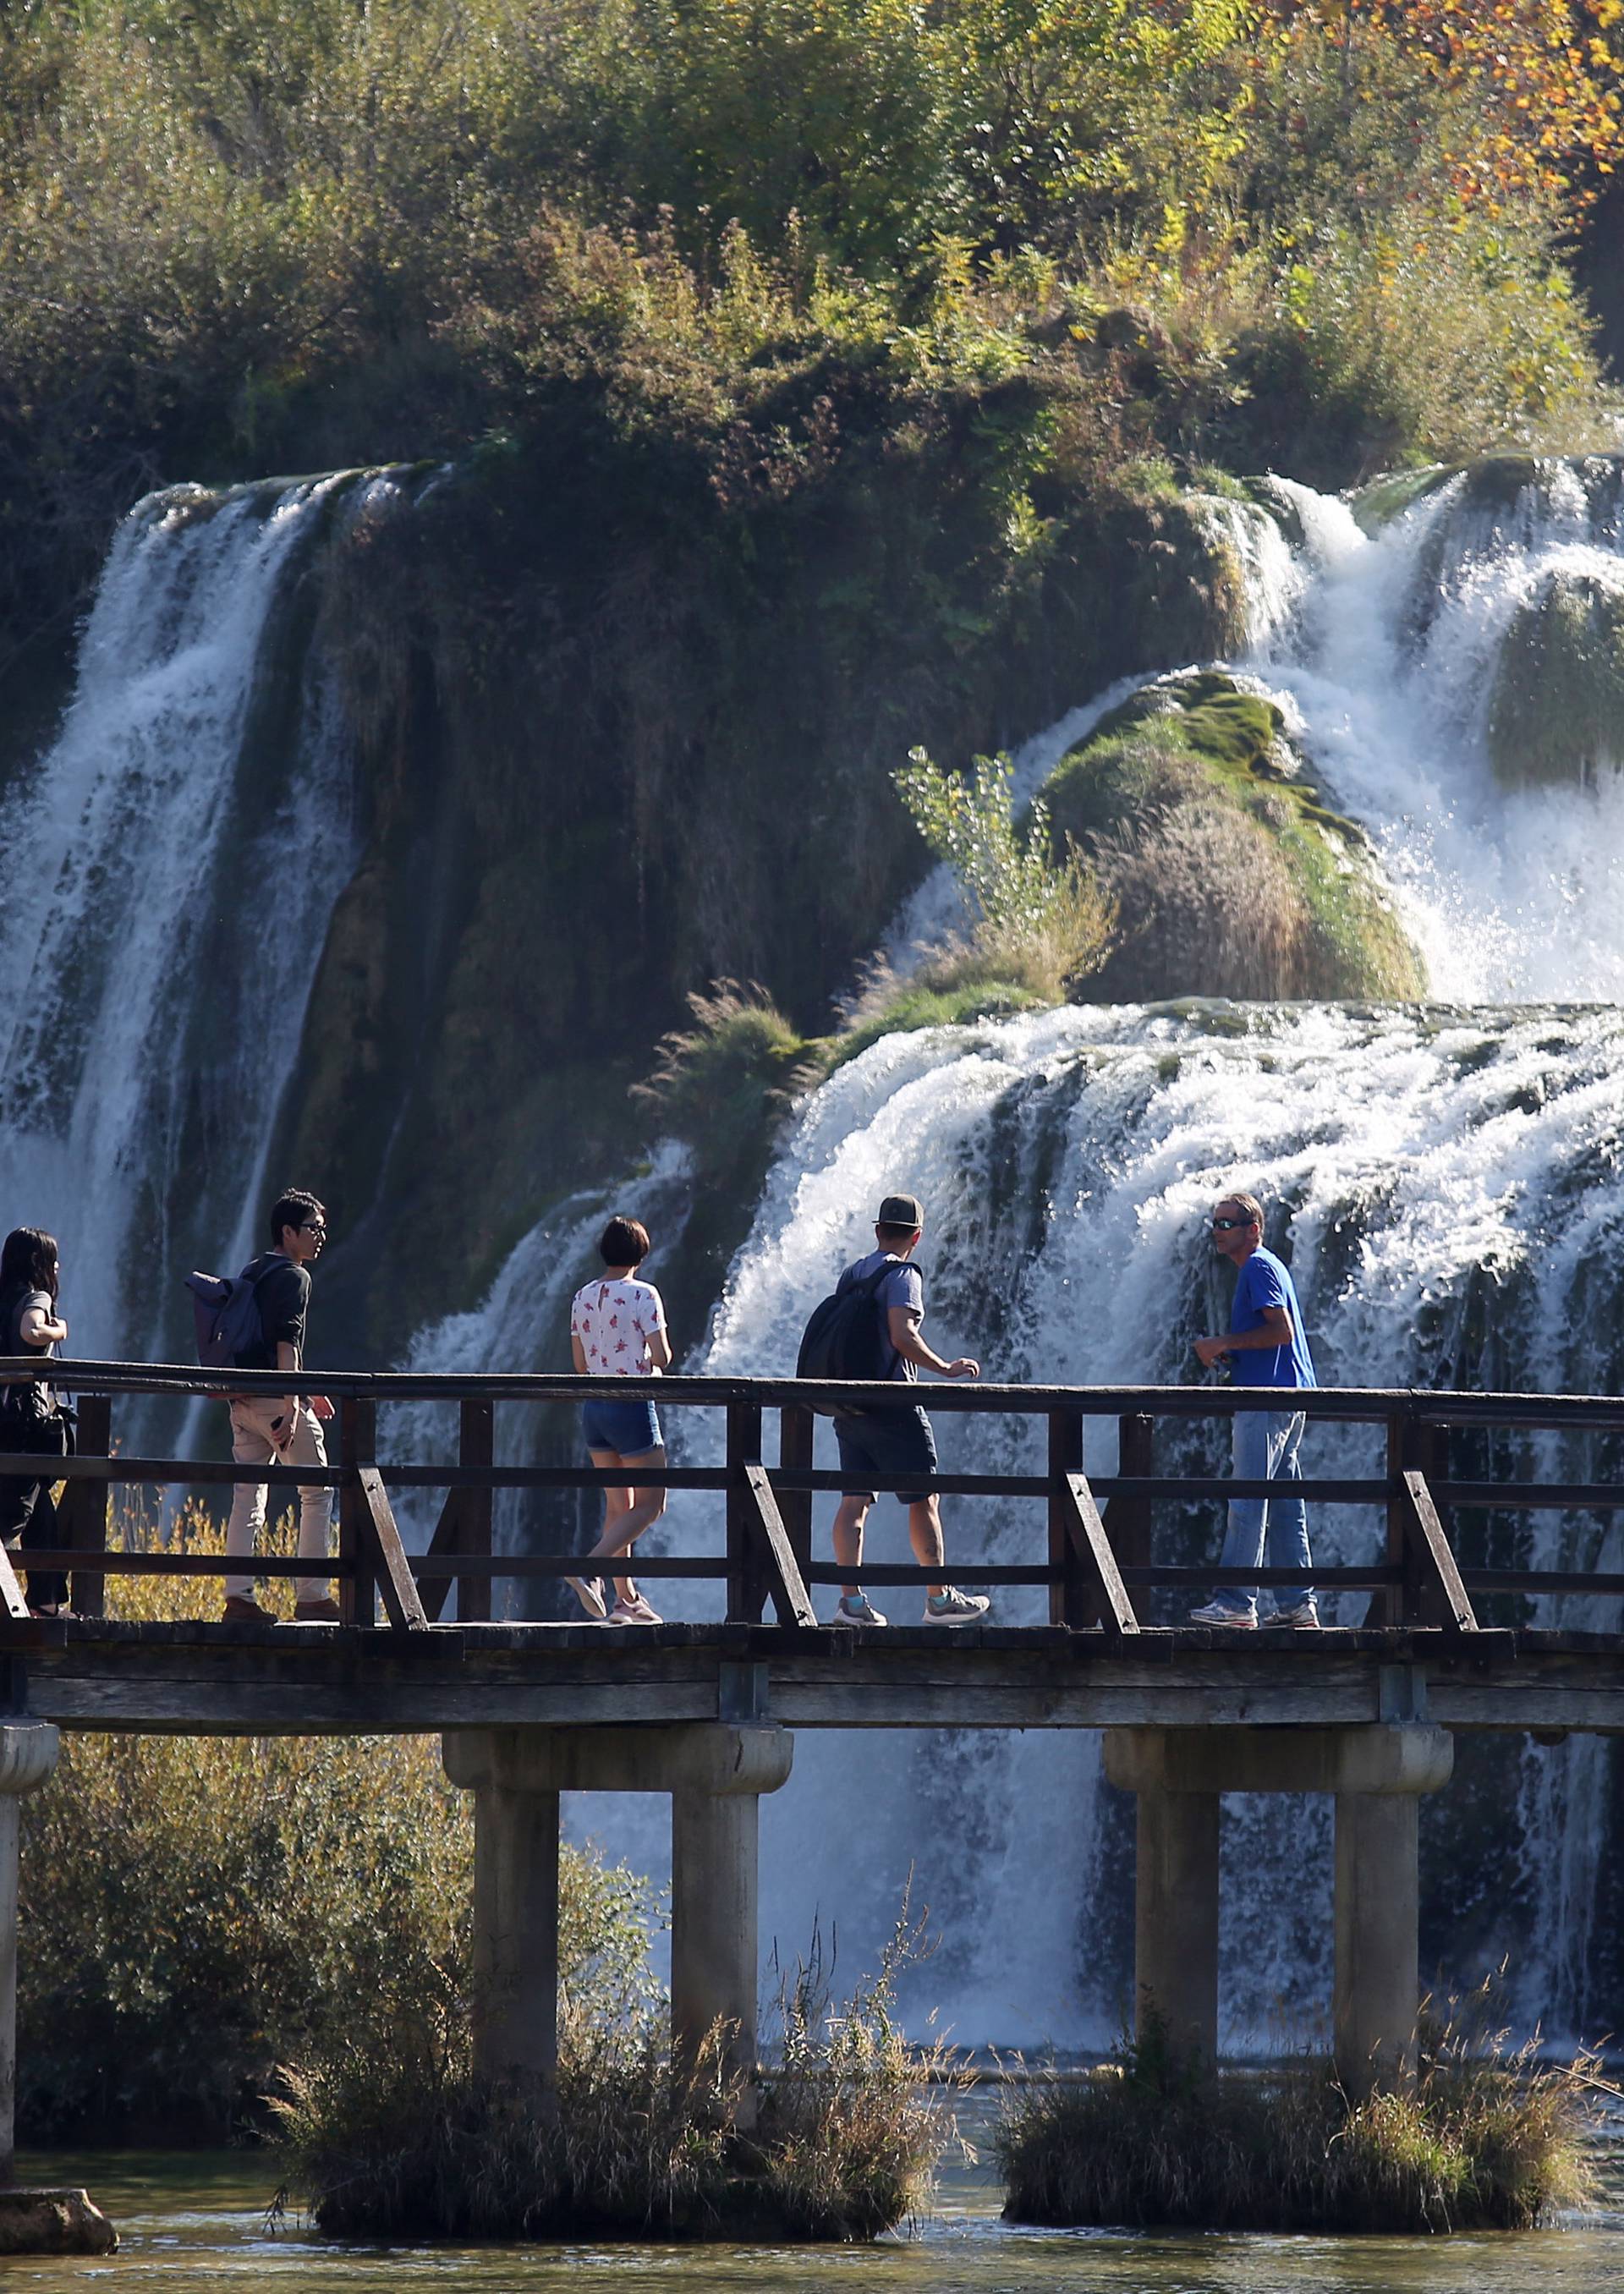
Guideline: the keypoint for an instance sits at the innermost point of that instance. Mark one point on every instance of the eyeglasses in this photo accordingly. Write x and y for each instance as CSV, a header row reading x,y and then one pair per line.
x,y
312,1226
1222,1225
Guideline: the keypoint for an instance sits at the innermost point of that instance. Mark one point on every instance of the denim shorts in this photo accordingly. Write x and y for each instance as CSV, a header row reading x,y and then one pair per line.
x,y
891,1447
628,1429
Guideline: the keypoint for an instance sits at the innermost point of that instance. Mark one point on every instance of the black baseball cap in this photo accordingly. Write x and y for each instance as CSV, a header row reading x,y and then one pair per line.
x,y
901,1210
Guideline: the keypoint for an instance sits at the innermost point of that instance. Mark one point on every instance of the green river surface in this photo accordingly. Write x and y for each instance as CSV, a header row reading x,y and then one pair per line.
x,y
195,2221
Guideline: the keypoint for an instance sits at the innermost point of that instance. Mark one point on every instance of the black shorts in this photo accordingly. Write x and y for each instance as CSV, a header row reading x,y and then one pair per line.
x,y
891,1448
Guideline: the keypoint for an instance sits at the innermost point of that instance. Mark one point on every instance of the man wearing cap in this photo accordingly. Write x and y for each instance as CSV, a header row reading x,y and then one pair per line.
x,y
895,1449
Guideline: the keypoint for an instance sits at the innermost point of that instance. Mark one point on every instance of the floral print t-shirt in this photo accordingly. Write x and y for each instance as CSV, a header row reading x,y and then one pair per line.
x,y
614,1320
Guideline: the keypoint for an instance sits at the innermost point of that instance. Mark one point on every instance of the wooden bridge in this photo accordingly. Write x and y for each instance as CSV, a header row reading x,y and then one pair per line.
x,y
706,1710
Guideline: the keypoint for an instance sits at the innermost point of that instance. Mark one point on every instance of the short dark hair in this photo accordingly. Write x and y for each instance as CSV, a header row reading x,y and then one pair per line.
x,y
29,1255
624,1242
292,1208
891,1234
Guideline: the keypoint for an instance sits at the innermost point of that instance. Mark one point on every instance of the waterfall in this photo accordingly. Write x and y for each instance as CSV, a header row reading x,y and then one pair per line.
x,y
1448,1176
1388,663
1451,1181
168,869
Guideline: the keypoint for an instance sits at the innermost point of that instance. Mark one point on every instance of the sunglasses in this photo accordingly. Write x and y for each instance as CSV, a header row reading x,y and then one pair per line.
x,y
1224,1224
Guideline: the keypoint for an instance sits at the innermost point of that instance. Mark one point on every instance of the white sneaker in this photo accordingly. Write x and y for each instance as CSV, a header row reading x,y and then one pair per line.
x,y
638,1611
952,1607
858,1610
589,1593
1303,1613
1219,1612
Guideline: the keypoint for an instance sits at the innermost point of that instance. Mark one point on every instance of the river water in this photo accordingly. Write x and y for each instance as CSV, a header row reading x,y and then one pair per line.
x,y
195,2223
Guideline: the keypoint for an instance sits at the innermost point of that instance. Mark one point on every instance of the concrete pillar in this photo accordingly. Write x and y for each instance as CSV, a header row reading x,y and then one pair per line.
x,y
28,1756
1175,1918
714,1849
1378,1986
715,1772
516,1935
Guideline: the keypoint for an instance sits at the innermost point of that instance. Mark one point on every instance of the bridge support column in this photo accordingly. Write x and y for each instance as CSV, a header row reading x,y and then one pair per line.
x,y
1376,1774
1175,1919
1378,1986
516,1935
714,1878
715,1774
28,1756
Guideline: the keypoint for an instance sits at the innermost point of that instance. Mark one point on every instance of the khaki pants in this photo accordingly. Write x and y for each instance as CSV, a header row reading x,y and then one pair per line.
x,y
254,1443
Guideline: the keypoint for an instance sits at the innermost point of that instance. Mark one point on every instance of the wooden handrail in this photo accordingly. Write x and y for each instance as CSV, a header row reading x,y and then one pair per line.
x,y
1092,1565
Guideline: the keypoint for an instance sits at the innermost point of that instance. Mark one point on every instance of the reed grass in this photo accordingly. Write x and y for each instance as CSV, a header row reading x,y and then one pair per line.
x,y
392,2133
1485,2136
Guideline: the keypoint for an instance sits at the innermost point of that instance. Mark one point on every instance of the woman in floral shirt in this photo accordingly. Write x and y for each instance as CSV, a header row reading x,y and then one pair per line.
x,y
617,1330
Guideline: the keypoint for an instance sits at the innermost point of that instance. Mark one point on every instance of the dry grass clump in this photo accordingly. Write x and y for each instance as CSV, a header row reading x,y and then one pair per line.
x,y
390,2132
1204,899
1485,2137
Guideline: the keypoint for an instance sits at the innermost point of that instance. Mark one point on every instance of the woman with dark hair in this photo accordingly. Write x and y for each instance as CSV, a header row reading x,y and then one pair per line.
x,y
33,1418
617,1330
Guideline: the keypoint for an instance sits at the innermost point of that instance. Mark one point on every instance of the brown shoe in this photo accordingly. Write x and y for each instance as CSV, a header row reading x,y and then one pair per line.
x,y
240,1610
317,1613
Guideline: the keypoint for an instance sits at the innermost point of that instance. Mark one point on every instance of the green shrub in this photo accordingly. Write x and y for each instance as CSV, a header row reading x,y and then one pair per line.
x,y
1037,922
195,1909
1484,2137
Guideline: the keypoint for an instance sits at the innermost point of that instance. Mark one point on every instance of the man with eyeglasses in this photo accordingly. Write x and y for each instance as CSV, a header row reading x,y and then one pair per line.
x,y
1266,1345
266,1428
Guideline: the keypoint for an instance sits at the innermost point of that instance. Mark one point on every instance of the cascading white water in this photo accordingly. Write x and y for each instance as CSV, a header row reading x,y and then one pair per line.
x,y
164,889
1386,661
1069,1162
1452,1184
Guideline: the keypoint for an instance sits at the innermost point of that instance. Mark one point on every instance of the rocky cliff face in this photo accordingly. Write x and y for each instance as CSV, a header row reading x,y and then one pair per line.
x,y
610,753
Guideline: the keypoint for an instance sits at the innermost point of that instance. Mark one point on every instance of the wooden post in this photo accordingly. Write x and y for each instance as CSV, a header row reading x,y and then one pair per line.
x,y
357,1593
1068,1600
797,1429
477,1447
1129,1519
746,1592
87,1504
1389,1604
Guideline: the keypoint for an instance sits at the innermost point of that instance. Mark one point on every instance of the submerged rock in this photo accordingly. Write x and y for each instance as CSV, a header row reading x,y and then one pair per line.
x,y
54,2222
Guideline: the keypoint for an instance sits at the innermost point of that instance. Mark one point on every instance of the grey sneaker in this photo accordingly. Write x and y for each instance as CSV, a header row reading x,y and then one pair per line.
x,y
952,1607
1220,1613
1303,1613
858,1609
589,1593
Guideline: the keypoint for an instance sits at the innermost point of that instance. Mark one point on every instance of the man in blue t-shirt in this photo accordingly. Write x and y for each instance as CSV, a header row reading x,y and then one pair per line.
x,y
1266,1345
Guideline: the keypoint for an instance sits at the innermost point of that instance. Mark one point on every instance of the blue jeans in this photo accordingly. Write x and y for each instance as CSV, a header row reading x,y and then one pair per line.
x,y
1266,1451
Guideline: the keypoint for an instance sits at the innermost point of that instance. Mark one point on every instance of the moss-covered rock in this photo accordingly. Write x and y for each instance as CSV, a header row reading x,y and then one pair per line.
x,y
1557,713
1232,877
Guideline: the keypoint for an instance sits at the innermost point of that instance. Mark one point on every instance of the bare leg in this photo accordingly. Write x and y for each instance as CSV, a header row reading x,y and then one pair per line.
x,y
925,1535
622,1530
849,1516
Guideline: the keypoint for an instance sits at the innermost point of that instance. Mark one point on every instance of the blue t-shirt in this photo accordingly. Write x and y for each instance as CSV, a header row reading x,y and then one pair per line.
x,y
1264,1281
904,1286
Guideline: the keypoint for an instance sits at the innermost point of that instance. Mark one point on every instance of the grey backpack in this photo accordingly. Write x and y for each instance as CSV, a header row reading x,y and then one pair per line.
x,y
226,1309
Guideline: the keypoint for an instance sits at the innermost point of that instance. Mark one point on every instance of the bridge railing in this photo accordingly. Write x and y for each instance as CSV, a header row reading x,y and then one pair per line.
x,y
1097,1551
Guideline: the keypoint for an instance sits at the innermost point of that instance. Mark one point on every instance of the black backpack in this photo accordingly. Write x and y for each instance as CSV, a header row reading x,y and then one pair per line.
x,y
226,1309
844,1336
